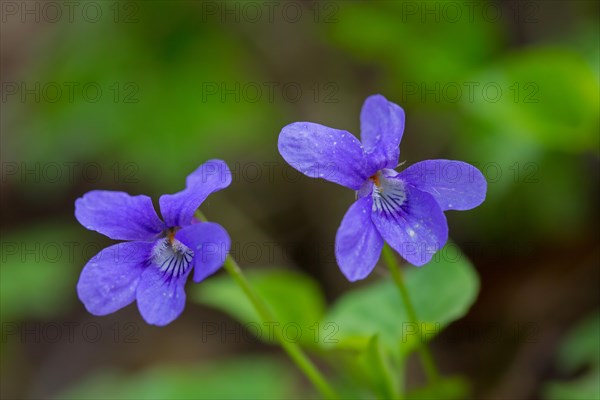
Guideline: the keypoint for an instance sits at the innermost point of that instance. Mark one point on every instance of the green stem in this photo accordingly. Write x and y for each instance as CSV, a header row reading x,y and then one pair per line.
x,y
292,349
425,354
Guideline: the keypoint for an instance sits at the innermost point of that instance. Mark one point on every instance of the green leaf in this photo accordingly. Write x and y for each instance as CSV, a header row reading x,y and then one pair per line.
x,y
545,96
441,291
246,378
453,388
295,299
392,34
580,349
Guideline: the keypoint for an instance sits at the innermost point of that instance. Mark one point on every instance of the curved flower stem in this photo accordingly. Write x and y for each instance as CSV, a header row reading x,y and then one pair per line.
x,y
292,349
426,357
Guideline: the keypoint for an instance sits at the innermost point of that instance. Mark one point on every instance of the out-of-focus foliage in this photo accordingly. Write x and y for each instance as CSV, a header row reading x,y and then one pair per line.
x,y
579,354
39,273
398,38
453,388
242,378
546,96
156,106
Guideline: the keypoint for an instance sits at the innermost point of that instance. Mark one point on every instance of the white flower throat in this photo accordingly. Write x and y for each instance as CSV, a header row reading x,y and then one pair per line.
x,y
172,257
388,194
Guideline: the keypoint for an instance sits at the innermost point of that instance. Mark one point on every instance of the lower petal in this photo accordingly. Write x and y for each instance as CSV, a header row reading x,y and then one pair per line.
x,y
357,243
210,244
415,226
109,281
160,297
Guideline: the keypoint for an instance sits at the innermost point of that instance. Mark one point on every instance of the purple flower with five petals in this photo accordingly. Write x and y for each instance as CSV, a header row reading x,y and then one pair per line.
x,y
404,209
154,263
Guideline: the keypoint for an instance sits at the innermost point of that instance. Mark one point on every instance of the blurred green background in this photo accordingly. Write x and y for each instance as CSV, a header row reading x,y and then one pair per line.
x,y
135,95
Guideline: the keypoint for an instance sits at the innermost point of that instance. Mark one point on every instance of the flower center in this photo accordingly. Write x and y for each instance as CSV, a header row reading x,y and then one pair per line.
x,y
388,194
375,179
170,256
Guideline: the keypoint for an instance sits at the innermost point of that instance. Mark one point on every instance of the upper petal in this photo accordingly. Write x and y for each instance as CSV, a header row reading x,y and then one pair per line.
x,y
455,185
357,243
109,280
179,208
413,223
118,215
381,129
161,296
210,244
321,152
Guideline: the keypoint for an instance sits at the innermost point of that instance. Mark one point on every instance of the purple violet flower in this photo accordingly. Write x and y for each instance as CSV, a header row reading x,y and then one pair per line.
x,y
404,209
153,266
